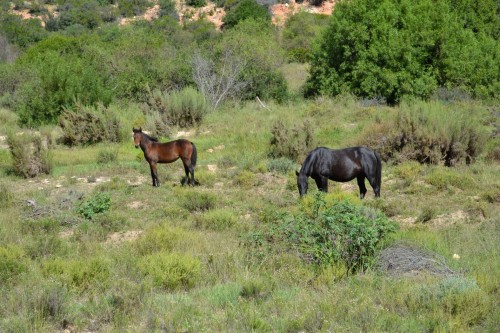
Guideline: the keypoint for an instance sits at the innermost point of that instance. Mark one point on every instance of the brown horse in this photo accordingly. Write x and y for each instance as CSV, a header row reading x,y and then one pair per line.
x,y
156,152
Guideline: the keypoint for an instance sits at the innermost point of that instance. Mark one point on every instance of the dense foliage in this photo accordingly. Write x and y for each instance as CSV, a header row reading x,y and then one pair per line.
x,y
338,232
243,10
392,49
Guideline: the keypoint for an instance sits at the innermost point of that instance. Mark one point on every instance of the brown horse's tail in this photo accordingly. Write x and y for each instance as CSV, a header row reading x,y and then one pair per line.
x,y
194,155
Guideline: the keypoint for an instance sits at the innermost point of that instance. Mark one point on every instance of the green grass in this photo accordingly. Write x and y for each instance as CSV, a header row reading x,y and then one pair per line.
x,y
174,258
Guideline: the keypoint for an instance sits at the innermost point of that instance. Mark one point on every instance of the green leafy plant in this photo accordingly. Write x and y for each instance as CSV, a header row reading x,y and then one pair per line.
x,y
341,233
99,202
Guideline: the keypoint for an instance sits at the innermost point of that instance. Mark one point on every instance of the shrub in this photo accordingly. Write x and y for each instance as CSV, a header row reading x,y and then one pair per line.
x,y
6,196
245,9
429,132
299,33
343,233
184,108
281,165
160,238
83,273
11,263
87,125
30,156
218,219
198,201
171,270
196,3
245,178
99,202
107,156
443,179
452,296
395,49
293,142
129,8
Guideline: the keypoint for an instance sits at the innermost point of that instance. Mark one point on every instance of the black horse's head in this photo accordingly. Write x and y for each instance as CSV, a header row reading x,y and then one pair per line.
x,y
302,183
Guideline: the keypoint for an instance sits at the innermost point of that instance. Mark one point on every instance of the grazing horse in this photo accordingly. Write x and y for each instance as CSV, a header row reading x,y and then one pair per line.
x,y
341,165
156,152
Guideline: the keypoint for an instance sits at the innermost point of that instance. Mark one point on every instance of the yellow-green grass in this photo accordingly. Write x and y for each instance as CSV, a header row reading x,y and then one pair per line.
x,y
174,258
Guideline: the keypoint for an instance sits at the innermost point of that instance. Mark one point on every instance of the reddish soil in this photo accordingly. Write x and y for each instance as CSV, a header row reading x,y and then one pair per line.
x,y
280,12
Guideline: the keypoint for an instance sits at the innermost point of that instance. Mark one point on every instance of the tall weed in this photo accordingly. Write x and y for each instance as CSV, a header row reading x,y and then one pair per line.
x,y
30,155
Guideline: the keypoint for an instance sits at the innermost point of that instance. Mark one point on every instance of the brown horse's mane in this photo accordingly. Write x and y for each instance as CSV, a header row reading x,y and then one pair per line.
x,y
149,137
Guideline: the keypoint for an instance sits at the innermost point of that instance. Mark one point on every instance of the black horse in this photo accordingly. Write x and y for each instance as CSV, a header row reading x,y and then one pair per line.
x,y
341,165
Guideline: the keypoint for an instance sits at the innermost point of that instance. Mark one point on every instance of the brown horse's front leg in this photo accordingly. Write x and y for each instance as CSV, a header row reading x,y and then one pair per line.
x,y
154,174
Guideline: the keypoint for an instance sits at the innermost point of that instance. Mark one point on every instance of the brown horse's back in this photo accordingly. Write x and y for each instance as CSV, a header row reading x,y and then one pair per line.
x,y
171,151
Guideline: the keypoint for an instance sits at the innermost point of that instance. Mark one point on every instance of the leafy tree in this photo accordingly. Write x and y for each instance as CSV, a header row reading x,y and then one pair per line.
x,y
392,49
63,70
245,9
254,44
22,32
300,32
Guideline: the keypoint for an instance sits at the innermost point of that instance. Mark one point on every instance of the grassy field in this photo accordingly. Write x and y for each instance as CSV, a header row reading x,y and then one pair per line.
x,y
173,258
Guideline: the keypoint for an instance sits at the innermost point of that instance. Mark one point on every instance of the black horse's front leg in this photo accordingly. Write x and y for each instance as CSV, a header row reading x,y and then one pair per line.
x,y
321,183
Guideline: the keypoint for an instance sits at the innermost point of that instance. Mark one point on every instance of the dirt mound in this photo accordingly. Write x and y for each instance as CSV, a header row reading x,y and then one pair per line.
x,y
405,259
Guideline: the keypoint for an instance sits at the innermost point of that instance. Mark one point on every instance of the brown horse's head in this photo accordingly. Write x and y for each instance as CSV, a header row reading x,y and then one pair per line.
x,y
137,136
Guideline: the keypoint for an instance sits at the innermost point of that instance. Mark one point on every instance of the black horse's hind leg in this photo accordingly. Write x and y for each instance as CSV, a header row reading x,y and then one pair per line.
x,y
362,187
375,186
154,174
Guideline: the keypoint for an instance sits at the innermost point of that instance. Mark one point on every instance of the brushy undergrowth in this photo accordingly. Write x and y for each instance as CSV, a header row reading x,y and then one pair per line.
x,y
30,155
99,202
84,125
291,142
327,234
431,133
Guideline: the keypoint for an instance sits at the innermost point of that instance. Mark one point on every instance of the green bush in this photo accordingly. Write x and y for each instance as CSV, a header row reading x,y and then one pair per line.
x,y
11,263
343,233
63,71
430,132
23,33
6,196
254,46
452,296
99,202
129,8
196,3
299,33
171,270
393,49
291,142
30,156
83,273
160,238
443,179
184,108
217,219
106,156
87,125
243,10
198,201
281,165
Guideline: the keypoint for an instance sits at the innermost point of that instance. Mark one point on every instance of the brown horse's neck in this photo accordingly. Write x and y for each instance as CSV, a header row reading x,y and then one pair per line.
x,y
144,143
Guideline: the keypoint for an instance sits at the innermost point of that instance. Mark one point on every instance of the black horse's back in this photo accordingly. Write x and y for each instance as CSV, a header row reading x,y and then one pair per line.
x,y
341,165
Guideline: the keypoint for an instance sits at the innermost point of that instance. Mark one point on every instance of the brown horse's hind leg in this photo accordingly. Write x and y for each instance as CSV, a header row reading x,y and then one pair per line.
x,y
188,169
362,187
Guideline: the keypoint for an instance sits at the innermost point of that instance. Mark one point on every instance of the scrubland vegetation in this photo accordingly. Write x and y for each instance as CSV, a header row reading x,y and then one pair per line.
x,y
88,245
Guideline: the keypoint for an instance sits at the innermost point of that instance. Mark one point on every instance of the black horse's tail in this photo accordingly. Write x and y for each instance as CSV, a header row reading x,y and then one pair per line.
x,y
194,155
379,170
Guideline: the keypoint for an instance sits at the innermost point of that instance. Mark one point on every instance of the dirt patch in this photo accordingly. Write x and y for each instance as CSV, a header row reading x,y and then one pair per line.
x,y
137,205
283,11
212,168
123,236
403,259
